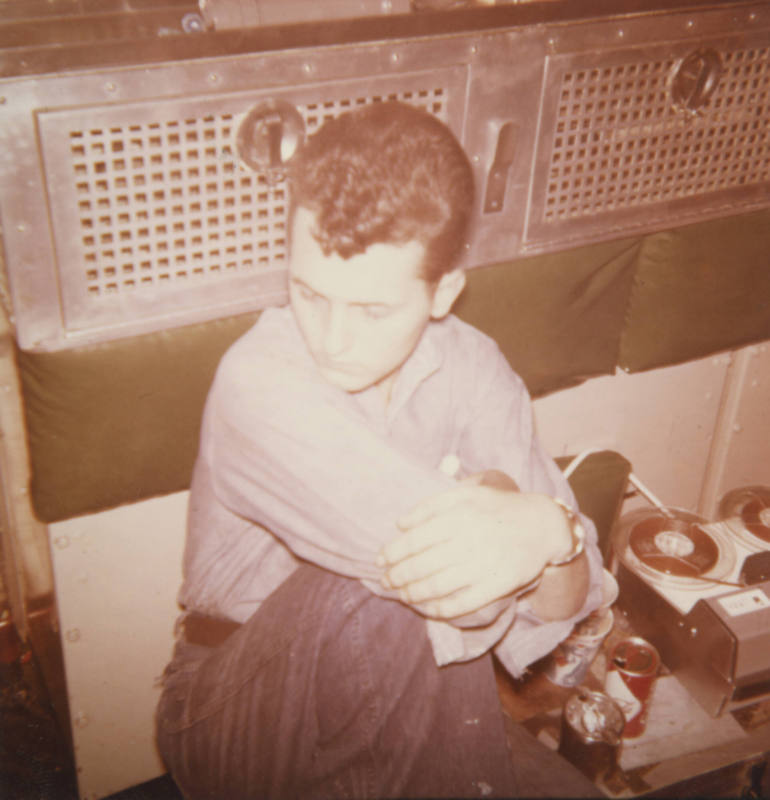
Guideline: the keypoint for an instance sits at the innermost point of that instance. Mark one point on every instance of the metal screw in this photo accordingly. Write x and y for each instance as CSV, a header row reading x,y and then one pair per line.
x,y
192,23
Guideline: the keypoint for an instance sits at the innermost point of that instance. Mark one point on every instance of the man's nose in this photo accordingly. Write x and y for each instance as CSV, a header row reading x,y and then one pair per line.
x,y
337,333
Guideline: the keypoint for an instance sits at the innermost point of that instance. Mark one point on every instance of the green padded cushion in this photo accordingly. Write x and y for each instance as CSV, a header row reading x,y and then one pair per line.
x,y
698,290
558,317
118,422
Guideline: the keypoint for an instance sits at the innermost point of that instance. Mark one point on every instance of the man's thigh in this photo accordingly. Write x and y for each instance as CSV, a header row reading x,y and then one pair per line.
x,y
329,691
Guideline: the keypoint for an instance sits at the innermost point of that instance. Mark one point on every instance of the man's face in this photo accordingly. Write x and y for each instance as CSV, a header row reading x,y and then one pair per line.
x,y
361,317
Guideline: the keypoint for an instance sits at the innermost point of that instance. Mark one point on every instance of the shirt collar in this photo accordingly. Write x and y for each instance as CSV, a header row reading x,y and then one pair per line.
x,y
425,360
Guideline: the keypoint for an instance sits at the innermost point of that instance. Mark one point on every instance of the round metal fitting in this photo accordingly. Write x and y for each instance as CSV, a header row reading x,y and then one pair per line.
x,y
269,136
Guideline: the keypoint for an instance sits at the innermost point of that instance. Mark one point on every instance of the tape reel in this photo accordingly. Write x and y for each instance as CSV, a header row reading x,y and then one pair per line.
x,y
748,511
674,549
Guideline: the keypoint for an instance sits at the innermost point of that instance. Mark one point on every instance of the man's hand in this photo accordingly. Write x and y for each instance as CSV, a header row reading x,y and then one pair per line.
x,y
472,545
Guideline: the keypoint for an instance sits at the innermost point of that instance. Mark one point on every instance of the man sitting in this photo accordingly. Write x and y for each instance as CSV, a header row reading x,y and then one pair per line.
x,y
371,513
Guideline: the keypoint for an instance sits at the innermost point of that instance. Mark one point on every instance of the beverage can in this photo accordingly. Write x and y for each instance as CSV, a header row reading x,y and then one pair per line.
x,y
591,731
569,662
631,671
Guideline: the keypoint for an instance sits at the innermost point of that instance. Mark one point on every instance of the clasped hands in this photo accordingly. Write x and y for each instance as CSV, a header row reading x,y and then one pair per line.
x,y
472,546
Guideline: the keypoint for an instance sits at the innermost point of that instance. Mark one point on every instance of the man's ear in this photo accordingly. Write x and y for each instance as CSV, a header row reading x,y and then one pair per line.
x,y
447,291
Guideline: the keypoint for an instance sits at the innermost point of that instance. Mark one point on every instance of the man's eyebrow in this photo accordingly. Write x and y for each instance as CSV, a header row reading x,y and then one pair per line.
x,y
359,304
372,304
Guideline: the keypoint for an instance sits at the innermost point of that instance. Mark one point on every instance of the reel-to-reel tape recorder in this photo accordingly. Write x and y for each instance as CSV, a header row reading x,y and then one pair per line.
x,y
700,592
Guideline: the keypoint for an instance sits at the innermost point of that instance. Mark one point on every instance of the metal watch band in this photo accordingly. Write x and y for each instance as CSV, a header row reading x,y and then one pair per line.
x,y
578,535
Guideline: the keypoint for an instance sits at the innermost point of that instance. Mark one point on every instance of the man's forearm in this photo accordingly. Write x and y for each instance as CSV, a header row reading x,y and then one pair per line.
x,y
562,590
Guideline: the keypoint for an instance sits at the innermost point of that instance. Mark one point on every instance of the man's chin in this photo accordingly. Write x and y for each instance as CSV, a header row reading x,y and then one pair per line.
x,y
345,381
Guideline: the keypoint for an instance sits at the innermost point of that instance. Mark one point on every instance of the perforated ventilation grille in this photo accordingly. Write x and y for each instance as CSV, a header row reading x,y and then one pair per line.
x,y
162,203
620,144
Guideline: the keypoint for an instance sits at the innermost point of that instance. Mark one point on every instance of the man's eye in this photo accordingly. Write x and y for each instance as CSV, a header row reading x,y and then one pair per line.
x,y
376,312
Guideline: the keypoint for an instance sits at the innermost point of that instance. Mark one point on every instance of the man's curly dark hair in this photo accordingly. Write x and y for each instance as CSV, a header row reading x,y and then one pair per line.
x,y
386,173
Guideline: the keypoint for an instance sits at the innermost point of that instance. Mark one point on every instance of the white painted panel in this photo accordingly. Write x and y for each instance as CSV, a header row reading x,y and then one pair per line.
x,y
117,574
662,421
741,452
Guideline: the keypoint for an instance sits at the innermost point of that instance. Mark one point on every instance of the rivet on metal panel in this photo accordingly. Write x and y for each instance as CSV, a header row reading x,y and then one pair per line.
x,y
307,68
193,23
395,58
621,33
72,635
21,227
110,87
690,23
62,541
474,49
214,77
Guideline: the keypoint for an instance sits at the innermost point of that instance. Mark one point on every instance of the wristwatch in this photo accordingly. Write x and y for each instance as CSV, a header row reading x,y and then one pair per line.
x,y
578,535
578,544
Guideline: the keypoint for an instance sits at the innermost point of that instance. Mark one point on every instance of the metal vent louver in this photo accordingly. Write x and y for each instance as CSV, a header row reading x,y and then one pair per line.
x,y
619,143
150,202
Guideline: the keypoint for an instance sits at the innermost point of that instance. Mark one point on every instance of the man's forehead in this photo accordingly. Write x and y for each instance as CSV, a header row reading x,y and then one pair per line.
x,y
382,273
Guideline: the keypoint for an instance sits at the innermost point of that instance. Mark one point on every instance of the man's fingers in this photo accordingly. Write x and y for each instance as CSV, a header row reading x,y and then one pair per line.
x,y
442,503
432,561
428,508
464,601
434,587
411,543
